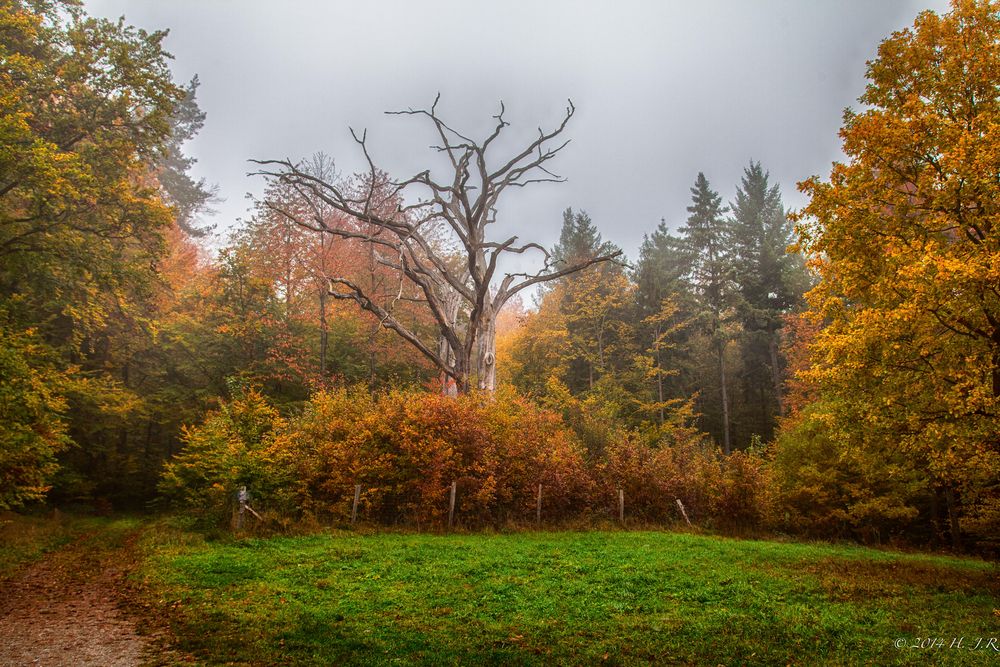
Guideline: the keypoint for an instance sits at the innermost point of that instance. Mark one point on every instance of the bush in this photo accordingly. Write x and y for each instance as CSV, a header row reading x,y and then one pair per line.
x,y
741,492
654,478
406,448
233,447
826,485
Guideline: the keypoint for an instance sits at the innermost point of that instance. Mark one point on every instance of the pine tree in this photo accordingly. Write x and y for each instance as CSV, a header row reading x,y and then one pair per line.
x,y
661,278
707,236
189,198
771,282
588,297
579,240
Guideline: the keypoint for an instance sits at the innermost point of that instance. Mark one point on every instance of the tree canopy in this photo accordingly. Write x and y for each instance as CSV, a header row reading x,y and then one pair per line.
x,y
905,241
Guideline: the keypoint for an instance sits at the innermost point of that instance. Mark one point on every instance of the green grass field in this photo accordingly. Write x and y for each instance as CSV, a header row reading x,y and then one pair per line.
x,y
564,598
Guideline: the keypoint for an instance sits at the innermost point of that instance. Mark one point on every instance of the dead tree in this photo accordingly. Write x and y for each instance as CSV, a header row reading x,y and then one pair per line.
x,y
463,301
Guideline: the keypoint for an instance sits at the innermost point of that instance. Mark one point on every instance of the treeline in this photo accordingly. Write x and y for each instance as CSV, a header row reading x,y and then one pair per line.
x,y
850,388
117,327
700,317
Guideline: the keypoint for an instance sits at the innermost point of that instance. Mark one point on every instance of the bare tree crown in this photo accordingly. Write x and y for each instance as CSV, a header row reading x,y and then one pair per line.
x,y
463,300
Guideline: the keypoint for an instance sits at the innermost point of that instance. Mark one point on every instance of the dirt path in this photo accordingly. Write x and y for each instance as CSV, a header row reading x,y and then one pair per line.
x,y
65,609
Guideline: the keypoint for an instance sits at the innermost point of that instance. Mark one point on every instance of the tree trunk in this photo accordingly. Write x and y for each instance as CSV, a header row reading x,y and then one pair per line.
x,y
776,372
726,445
955,530
449,387
935,517
995,374
461,374
659,387
486,353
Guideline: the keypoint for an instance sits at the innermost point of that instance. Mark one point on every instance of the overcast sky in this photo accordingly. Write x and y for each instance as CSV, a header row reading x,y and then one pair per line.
x,y
663,90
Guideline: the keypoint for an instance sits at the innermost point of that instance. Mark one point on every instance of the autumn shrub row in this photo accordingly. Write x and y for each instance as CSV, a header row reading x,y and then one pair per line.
x,y
406,448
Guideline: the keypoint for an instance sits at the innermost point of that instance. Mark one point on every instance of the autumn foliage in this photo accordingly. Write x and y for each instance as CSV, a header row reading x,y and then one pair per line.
x,y
134,359
405,448
904,238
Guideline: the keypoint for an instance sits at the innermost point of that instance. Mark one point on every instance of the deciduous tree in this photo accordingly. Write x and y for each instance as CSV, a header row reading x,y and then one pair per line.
x,y
401,222
905,238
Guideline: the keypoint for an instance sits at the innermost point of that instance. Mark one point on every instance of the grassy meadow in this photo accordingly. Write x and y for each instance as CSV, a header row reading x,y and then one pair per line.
x,y
614,598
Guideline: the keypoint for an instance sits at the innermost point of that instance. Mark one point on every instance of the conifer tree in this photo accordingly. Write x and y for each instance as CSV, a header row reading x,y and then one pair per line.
x,y
662,288
189,197
588,297
771,282
579,240
707,236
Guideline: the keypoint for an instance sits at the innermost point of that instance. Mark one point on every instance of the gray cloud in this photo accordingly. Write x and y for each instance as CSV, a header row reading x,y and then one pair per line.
x,y
663,89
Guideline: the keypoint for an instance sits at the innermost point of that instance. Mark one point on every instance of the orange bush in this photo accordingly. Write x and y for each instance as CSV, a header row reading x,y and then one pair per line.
x,y
406,448
654,478
740,493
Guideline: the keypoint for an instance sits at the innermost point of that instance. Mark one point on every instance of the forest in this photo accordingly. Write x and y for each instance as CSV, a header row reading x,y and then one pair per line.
x,y
827,372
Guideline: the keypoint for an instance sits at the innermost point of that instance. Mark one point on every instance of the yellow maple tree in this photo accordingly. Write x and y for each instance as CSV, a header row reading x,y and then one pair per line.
x,y
904,237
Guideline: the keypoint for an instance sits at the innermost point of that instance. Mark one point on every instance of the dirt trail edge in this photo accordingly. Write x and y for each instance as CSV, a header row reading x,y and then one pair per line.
x,y
68,608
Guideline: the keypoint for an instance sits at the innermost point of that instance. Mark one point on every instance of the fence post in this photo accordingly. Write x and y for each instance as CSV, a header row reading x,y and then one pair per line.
x,y
354,508
684,513
241,497
538,511
621,506
451,506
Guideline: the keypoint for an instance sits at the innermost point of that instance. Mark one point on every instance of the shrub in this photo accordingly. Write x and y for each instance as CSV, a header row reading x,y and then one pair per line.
x,y
406,448
655,477
233,447
826,485
741,492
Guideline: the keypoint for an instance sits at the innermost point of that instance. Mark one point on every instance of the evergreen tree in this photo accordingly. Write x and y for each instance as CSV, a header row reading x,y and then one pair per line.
x,y
707,236
771,282
661,278
189,197
587,298
662,269
579,240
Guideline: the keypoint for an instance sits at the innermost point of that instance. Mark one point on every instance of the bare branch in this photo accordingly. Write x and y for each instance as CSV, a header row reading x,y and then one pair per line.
x,y
387,320
388,216
509,288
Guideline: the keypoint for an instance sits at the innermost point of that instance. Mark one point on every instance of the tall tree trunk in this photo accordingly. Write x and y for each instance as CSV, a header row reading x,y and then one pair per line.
x,y
935,516
372,282
995,373
776,371
449,387
726,444
955,529
486,353
659,382
461,378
